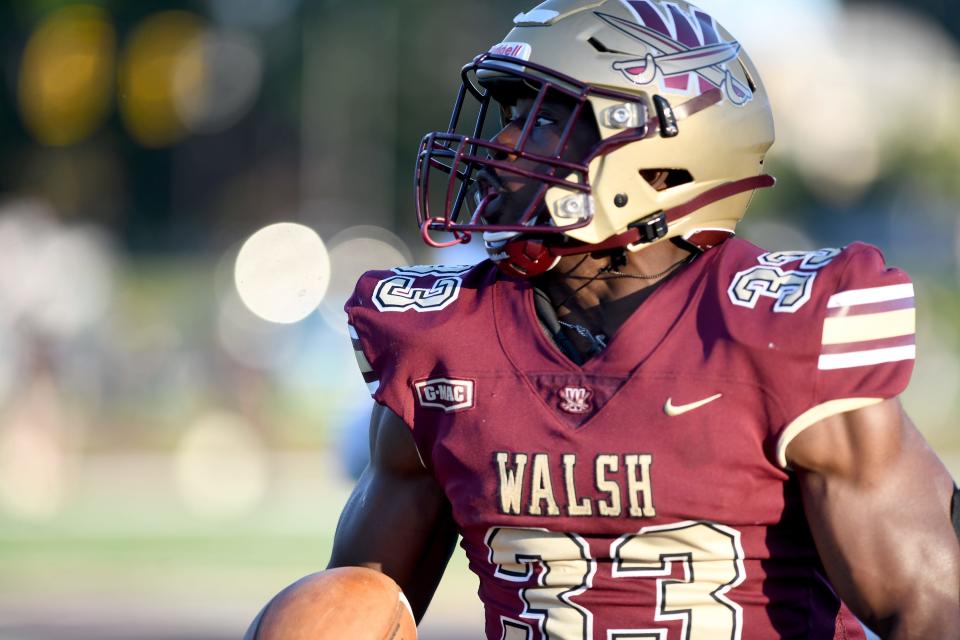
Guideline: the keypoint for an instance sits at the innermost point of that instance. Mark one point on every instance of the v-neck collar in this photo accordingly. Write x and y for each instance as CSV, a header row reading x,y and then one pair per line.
x,y
529,349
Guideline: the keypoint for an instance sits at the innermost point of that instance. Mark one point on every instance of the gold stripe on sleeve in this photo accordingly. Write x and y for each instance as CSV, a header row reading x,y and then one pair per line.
x,y
872,326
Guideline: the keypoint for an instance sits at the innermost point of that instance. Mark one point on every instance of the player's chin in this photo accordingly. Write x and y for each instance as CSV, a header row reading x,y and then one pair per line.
x,y
509,207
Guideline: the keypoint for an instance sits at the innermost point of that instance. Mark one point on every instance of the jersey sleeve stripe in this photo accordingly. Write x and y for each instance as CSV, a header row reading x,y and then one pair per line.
x,y
898,341
829,361
814,415
362,362
370,376
870,296
874,307
873,326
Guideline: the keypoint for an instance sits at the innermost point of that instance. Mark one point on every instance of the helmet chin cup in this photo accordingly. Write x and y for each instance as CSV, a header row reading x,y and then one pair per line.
x,y
518,256
497,239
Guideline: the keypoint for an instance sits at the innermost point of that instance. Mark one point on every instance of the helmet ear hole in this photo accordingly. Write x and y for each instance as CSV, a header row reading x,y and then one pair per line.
x,y
663,179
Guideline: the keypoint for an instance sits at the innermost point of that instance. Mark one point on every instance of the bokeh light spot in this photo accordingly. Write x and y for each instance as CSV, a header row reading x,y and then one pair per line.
x,y
72,271
216,81
282,272
220,468
35,457
66,76
159,46
31,473
354,251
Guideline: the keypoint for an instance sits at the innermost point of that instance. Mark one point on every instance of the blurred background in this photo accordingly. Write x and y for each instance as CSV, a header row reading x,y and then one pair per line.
x,y
172,453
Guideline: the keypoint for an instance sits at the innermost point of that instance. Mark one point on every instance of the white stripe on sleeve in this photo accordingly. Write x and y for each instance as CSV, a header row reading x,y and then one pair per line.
x,y
869,296
865,358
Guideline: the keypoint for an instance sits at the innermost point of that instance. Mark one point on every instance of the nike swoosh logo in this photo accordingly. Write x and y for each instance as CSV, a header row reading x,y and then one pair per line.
x,y
674,410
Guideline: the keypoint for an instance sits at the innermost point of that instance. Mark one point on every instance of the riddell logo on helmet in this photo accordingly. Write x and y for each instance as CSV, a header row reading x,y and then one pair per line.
x,y
519,50
448,394
685,52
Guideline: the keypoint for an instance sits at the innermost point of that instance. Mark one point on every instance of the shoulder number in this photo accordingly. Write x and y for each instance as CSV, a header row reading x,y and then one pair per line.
x,y
790,288
421,288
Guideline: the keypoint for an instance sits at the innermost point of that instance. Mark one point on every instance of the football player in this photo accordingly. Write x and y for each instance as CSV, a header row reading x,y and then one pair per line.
x,y
640,425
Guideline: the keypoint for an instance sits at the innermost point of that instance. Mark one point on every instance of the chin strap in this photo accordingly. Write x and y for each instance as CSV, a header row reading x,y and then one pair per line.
x,y
521,257
528,257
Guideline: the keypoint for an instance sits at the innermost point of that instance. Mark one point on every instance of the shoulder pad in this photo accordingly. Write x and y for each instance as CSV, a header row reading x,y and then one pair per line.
x,y
831,330
401,318
843,305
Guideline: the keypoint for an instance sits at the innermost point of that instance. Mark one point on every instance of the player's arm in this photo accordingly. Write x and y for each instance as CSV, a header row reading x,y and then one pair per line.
x,y
878,502
398,519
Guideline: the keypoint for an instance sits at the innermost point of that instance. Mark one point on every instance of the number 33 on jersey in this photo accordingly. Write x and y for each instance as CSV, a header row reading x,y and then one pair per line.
x,y
558,566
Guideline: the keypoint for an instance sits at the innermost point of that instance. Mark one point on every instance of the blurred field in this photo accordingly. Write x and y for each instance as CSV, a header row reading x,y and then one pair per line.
x,y
127,562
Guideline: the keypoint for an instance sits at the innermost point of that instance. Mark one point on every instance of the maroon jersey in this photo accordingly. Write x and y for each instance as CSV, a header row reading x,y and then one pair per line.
x,y
644,494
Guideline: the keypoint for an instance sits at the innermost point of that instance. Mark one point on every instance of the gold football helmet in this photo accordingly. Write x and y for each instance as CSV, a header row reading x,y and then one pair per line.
x,y
683,122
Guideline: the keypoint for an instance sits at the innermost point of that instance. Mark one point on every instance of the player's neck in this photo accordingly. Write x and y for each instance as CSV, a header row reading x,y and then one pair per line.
x,y
599,293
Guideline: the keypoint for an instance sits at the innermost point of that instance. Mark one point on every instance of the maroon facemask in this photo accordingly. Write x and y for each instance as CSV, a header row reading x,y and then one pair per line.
x,y
455,201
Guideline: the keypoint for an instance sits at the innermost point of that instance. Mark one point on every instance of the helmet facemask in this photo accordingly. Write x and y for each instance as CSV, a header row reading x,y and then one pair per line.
x,y
475,164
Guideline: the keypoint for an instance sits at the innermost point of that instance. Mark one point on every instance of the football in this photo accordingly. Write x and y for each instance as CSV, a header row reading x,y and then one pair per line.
x,y
347,602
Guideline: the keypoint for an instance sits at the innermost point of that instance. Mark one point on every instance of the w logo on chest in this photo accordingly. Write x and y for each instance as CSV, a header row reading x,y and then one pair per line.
x,y
575,399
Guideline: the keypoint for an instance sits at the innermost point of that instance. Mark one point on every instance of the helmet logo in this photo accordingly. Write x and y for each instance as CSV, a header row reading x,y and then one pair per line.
x,y
685,52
